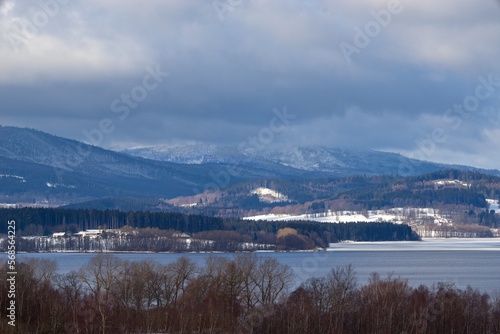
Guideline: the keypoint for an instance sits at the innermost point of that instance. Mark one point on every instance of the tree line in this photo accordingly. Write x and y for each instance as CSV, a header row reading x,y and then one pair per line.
x,y
245,294
227,234
323,234
45,221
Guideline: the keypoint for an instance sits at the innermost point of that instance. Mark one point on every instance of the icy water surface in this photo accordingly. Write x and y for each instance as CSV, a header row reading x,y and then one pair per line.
x,y
474,262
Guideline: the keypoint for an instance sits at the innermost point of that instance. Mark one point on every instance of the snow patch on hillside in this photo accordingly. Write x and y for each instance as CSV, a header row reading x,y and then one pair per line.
x,y
59,185
8,206
188,205
269,196
22,179
452,183
493,204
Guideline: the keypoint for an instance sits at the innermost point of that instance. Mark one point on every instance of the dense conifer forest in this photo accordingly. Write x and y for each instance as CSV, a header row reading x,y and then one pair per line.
x,y
225,234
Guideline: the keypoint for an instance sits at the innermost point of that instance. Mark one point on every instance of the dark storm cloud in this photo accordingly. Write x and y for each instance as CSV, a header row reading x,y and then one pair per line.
x,y
226,76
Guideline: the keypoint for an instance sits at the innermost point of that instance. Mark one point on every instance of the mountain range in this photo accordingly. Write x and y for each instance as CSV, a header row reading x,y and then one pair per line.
x,y
332,161
36,167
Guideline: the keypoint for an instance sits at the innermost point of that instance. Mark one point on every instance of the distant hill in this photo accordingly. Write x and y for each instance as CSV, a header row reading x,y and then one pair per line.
x,y
332,161
36,167
454,190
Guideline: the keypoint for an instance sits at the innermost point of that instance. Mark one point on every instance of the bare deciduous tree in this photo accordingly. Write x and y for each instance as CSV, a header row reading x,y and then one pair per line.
x,y
272,279
100,276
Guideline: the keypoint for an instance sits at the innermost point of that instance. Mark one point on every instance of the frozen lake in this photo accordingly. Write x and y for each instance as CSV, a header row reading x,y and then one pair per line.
x,y
474,262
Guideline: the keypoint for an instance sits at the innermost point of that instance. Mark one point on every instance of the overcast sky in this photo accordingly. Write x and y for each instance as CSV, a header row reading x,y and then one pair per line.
x,y
380,74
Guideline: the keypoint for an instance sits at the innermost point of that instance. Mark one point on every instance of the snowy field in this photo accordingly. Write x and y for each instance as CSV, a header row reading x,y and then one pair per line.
x,y
394,215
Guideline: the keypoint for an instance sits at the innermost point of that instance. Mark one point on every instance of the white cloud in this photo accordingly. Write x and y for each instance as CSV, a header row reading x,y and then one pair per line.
x,y
49,58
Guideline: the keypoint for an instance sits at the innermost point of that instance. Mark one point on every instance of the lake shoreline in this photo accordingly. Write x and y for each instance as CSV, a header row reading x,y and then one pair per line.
x,y
339,246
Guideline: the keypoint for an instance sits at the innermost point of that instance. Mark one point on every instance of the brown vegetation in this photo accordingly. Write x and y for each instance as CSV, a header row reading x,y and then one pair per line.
x,y
245,294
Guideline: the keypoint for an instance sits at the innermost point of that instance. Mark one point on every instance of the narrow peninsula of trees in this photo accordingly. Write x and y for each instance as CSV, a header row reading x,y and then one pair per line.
x,y
167,231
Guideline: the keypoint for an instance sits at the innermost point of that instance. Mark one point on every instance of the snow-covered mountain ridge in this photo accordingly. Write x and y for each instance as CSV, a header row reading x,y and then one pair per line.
x,y
188,154
334,160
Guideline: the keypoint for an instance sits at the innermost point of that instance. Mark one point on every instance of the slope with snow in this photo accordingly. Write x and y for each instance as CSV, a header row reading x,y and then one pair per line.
x,y
395,215
193,154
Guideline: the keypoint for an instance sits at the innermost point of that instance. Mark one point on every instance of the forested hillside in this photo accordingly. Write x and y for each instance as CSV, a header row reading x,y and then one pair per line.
x,y
466,190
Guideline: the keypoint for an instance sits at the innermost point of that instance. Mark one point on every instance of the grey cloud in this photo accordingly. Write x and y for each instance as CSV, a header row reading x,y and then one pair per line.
x,y
227,76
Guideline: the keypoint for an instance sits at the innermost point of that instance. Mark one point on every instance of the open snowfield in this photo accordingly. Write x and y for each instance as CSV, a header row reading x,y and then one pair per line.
x,y
395,215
